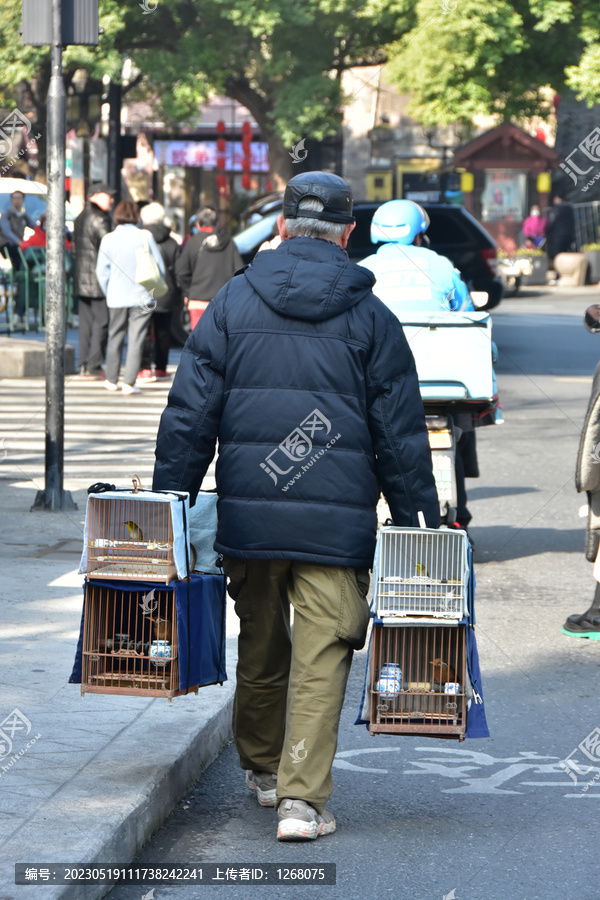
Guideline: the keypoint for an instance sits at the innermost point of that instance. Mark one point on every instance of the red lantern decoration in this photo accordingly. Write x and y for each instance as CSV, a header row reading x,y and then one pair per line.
x,y
247,130
246,182
246,142
221,144
221,182
221,162
221,127
247,164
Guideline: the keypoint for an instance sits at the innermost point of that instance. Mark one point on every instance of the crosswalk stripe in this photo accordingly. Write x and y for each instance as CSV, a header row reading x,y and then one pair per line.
x,y
108,436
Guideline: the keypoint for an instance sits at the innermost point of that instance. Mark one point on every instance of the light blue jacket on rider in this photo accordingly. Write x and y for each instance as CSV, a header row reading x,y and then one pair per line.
x,y
410,277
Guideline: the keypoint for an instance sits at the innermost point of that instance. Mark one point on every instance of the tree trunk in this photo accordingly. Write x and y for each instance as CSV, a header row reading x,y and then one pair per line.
x,y
280,162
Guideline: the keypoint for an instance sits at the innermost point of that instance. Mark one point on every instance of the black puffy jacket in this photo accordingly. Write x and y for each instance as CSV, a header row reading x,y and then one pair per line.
x,y
91,225
308,383
206,263
169,250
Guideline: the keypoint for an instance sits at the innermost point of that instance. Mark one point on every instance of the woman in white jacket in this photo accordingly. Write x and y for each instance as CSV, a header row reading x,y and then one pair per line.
x,y
130,305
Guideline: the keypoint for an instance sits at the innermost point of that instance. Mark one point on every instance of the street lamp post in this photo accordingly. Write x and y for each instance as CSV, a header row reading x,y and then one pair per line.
x,y
54,497
42,24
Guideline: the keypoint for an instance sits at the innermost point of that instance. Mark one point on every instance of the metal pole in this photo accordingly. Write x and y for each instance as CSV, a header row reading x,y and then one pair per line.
x,y
54,497
115,161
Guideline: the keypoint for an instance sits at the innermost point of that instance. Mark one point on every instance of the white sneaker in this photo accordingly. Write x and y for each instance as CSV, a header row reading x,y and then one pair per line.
x,y
130,389
110,386
264,784
299,821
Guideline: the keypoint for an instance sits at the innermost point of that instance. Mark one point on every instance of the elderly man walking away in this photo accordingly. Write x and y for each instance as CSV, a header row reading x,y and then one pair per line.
x,y
308,383
92,223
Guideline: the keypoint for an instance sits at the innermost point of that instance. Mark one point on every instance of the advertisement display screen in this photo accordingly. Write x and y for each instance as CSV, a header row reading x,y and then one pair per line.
x,y
204,153
504,196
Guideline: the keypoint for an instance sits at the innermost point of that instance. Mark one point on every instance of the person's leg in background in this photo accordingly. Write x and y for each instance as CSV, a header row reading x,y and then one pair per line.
x,y
98,337
331,618
196,308
466,465
117,329
587,624
137,328
162,342
86,320
145,375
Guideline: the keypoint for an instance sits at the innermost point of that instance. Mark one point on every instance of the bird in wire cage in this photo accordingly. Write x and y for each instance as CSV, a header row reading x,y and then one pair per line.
x,y
442,672
135,532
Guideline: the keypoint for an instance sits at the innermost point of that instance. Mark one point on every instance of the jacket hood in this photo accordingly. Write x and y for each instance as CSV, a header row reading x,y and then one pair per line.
x,y
214,241
159,231
307,278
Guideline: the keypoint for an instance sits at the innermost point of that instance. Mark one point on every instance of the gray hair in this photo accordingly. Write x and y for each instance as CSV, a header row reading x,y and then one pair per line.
x,y
319,228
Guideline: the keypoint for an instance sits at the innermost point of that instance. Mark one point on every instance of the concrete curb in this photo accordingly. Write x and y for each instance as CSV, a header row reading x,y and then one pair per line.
x,y
106,812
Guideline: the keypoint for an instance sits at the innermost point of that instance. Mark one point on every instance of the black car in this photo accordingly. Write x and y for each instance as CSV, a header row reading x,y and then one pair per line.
x,y
453,232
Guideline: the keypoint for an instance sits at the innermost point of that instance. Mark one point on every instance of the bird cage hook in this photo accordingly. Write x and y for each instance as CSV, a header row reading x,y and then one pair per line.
x,y
137,484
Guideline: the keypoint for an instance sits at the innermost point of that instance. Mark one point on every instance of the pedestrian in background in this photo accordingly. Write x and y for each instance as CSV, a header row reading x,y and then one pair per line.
x,y
15,219
534,228
153,220
91,225
130,305
587,478
307,382
208,260
560,228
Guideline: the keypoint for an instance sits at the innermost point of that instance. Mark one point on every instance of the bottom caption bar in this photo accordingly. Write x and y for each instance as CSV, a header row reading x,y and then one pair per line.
x,y
213,873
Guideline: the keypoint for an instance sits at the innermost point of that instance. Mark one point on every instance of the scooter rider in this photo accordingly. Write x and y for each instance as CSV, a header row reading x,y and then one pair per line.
x,y
411,276
426,279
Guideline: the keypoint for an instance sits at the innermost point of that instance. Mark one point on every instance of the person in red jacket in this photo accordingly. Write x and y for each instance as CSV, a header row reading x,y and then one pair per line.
x,y
38,236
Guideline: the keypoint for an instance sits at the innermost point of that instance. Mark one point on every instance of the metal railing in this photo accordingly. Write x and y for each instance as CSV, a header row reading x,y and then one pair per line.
x,y
23,291
587,223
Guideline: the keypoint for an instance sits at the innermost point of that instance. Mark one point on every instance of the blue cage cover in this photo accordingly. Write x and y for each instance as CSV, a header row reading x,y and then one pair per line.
x,y
200,605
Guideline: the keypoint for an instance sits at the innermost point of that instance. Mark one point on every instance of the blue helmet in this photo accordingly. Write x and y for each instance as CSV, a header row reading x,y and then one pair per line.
x,y
398,222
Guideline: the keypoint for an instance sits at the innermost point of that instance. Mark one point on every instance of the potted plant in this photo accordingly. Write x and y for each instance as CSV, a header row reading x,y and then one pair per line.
x,y
539,261
592,254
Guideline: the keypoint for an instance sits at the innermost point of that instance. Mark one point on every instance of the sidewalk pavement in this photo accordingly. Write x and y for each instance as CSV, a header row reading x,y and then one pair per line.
x,y
87,779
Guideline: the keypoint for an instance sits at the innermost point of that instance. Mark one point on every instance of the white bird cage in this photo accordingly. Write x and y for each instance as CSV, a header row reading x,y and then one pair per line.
x,y
137,534
421,572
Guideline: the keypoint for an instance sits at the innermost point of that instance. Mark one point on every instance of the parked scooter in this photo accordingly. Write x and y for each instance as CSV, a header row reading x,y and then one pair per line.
x,y
510,270
453,356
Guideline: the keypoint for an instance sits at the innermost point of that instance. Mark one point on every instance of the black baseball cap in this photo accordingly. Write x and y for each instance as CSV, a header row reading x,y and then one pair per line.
x,y
101,188
333,191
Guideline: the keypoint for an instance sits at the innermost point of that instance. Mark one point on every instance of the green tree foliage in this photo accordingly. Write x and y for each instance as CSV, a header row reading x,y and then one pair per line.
x,y
469,57
280,58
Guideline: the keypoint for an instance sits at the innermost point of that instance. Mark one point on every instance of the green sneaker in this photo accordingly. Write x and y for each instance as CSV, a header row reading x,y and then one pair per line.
x,y
584,626
299,821
264,784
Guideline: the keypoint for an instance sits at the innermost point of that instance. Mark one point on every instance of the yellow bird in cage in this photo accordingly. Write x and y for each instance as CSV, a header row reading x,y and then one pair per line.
x,y
135,532
421,570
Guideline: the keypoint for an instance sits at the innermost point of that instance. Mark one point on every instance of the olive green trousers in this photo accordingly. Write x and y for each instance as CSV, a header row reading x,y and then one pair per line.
x,y
291,682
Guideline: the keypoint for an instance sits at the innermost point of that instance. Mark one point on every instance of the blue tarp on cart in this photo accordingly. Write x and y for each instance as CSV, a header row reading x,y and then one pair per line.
x,y
200,605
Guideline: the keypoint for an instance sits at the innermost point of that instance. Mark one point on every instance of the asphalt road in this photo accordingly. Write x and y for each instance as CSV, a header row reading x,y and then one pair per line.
x,y
493,819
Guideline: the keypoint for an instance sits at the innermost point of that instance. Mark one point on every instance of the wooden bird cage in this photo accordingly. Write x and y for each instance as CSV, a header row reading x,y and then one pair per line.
x,y
419,681
130,642
131,536
421,572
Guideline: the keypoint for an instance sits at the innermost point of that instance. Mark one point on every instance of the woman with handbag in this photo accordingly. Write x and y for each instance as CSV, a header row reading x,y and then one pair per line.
x,y
159,335
130,271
